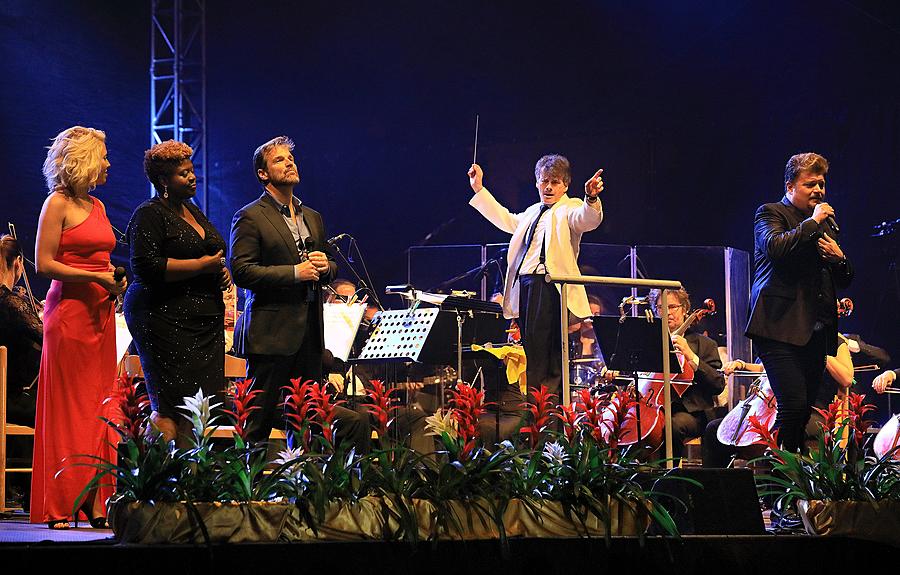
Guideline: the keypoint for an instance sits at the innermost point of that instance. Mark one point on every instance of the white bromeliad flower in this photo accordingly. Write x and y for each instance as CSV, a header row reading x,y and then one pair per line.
x,y
555,453
199,412
294,471
437,424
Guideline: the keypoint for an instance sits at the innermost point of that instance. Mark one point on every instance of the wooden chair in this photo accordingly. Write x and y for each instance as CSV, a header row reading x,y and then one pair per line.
x,y
6,430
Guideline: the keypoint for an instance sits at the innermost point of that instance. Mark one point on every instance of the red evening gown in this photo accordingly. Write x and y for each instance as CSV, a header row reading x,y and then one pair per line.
x,y
78,371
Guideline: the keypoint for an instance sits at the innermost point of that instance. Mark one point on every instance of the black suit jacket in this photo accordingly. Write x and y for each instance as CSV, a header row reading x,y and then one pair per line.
x,y
278,311
789,280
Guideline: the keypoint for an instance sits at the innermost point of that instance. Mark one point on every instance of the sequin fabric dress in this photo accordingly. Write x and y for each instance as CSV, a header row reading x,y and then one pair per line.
x,y
78,371
178,327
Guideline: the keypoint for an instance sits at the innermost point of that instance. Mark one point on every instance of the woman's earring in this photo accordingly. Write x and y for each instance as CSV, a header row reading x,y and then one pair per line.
x,y
165,192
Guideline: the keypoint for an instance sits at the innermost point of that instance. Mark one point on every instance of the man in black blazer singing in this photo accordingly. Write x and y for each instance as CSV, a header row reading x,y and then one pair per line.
x,y
277,255
793,312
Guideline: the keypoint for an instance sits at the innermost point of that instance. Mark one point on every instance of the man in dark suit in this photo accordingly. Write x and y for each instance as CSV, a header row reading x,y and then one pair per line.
x,y
793,314
696,407
277,255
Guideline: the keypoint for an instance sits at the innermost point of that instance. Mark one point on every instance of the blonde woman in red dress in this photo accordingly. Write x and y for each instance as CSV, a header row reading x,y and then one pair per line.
x,y
78,364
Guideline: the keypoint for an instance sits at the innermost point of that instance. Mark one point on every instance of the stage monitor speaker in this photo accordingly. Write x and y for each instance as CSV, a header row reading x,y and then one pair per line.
x,y
725,502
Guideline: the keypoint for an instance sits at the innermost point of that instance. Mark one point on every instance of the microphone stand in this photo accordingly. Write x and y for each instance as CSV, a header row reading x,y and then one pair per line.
x,y
476,271
363,285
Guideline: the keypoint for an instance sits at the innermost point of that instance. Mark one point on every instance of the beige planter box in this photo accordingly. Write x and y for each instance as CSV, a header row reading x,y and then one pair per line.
x,y
857,519
141,522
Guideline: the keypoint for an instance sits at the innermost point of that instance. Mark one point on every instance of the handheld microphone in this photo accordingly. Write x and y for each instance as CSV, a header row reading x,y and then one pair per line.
x,y
833,224
336,239
118,275
309,245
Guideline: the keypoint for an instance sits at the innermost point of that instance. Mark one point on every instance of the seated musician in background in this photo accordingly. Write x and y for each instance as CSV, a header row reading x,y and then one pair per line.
x,y
885,380
22,333
691,411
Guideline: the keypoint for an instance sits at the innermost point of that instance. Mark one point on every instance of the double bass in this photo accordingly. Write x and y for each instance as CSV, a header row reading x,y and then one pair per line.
x,y
648,413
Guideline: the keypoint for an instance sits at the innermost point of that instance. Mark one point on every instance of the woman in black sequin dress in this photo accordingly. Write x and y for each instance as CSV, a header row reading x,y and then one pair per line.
x,y
174,306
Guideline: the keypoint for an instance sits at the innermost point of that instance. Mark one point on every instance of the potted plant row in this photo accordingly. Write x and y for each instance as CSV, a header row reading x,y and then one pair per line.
x,y
563,474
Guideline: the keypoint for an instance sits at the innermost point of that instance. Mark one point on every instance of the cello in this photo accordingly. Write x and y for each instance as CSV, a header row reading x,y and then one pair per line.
x,y
651,384
761,403
888,439
647,412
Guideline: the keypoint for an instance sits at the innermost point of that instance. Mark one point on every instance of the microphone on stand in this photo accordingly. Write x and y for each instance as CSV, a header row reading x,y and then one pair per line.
x,y
336,239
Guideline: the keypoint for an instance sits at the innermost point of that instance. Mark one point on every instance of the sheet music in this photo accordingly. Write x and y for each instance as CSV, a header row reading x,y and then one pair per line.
x,y
123,337
341,324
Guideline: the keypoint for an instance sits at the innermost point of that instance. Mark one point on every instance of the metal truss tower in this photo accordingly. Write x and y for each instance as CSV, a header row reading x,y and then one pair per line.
x,y
178,80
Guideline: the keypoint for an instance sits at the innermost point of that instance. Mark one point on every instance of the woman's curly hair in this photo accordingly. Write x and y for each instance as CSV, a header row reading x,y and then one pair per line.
x,y
163,158
74,160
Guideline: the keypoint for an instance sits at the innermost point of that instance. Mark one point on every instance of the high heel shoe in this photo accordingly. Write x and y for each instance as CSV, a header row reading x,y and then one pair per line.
x,y
59,524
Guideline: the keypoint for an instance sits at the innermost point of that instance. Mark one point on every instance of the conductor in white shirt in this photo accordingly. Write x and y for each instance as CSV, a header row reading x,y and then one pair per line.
x,y
546,238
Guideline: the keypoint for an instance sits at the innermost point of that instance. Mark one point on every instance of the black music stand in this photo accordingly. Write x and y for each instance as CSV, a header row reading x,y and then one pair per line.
x,y
631,344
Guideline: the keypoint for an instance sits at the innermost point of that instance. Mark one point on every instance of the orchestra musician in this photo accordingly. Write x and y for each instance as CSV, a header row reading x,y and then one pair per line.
x,y
543,244
798,267
693,409
22,333
885,380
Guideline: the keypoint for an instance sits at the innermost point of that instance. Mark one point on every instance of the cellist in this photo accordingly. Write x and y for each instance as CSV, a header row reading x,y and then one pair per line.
x,y
691,411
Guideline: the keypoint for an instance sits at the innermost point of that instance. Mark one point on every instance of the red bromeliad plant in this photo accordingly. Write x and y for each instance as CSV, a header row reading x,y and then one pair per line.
x,y
324,410
854,420
467,406
297,408
858,410
571,421
766,437
132,411
383,404
614,417
542,411
242,397
591,412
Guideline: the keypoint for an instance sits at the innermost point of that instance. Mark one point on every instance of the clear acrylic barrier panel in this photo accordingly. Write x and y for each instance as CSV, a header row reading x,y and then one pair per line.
x,y
431,268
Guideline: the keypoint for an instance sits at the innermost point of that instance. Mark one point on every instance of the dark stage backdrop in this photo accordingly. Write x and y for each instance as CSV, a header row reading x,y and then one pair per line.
x,y
692,108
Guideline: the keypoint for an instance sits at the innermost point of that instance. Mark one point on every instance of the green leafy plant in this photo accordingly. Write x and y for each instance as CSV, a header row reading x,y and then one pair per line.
x,y
835,468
